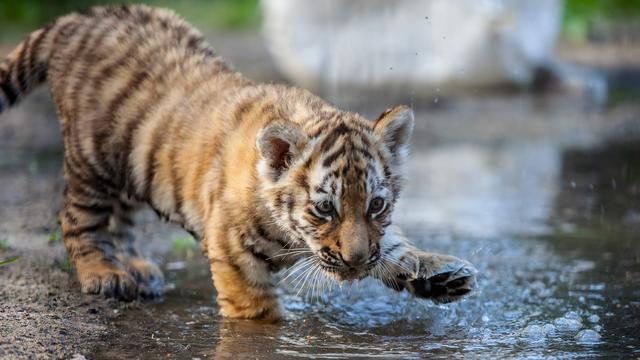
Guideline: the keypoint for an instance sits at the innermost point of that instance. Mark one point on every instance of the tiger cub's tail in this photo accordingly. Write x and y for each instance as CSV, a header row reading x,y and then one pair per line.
x,y
26,66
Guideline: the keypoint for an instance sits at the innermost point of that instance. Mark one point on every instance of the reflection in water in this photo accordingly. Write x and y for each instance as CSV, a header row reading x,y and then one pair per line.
x,y
482,191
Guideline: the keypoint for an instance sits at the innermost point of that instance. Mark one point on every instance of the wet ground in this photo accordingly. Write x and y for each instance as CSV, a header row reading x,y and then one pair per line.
x,y
541,193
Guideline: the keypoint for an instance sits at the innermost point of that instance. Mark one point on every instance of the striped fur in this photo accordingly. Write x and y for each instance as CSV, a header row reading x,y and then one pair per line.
x,y
150,115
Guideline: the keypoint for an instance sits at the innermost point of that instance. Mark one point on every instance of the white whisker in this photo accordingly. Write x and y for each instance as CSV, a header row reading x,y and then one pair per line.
x,y
297,267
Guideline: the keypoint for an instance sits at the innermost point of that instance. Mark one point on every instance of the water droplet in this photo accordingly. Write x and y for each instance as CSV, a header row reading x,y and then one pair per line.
x,y
549,329
572,315
565,324
534,332
588,336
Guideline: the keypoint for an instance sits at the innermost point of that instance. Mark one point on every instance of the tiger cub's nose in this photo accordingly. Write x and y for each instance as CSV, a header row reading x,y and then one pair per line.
x,y
355,260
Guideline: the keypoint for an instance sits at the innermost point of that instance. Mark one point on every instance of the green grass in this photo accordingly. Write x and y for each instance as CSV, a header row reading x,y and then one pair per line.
x,y
18,17
8,261
184,244
4,245
55,237
65,264
580,15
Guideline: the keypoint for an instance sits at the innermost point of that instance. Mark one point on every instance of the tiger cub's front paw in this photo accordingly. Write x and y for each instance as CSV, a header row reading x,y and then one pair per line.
x,y
441,278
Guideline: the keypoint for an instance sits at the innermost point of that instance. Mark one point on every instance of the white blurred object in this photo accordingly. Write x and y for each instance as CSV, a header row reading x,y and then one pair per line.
x,y
414,45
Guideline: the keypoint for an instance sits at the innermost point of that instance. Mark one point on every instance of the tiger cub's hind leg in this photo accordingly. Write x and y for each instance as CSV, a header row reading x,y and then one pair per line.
x,y
85,220
147,274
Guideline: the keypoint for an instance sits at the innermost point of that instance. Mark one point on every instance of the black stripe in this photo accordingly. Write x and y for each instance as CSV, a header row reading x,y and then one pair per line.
x,y
194,234
176,179
92,208
302,182
328,161
124,206
392,248
334,135
126,220
9,92
35,48
160,214
20,65
85,229
75,176
257,254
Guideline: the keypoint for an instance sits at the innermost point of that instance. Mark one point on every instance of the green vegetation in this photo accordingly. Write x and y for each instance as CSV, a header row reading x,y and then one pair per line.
x,y
4,244
581,15
18,17
54,237
65,264
185,244
21,16
9,260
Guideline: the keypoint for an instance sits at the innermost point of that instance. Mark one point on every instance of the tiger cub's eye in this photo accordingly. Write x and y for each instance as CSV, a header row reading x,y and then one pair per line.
x,y
324,207
376,205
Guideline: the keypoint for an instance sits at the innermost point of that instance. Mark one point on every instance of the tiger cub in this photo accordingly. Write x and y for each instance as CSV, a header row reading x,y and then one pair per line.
x,y
264,175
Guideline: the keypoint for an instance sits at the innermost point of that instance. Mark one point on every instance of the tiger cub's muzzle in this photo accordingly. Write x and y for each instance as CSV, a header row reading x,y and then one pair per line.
x,y
356,266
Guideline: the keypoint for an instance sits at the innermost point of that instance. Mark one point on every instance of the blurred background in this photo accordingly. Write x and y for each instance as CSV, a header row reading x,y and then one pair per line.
x,y
526,161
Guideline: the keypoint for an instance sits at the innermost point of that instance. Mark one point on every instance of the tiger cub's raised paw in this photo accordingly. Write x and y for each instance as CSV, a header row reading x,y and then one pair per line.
x,y
444,283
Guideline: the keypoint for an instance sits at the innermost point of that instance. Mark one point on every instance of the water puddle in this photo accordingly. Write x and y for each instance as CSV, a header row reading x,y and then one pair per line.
x,y
553,232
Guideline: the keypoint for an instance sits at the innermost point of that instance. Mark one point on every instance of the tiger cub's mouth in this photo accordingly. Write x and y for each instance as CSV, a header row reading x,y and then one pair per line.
x,y
342,272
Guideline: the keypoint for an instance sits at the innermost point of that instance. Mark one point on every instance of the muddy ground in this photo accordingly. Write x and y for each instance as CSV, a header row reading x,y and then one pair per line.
x,y
42,312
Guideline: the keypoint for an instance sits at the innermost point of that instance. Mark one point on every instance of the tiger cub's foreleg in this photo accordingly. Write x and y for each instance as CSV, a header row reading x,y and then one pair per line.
x,y
243,280
441,278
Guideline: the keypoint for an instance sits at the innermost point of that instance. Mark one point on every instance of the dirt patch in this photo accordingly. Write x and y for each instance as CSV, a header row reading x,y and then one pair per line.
x,y
42,313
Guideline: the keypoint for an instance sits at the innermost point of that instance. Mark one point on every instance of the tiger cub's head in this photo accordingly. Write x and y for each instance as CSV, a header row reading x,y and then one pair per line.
x,y
332,185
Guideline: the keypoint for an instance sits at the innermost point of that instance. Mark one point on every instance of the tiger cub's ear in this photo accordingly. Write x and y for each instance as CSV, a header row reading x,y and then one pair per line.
x,y
394,126
279,143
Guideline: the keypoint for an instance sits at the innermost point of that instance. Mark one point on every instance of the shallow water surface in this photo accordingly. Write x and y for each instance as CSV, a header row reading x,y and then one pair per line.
x,y
553,231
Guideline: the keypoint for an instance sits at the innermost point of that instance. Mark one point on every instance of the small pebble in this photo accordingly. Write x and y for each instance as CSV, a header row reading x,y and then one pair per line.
x,y
176,265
